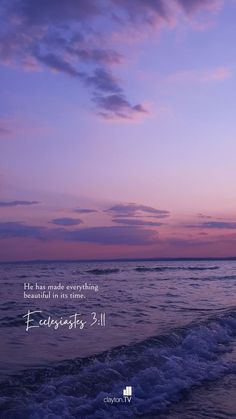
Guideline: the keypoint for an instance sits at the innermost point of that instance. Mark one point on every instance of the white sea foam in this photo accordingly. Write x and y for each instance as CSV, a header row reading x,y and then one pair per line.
x,y
160,370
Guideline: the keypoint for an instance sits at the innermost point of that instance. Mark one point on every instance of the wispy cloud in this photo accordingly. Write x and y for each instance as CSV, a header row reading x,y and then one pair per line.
x,y
58,35
17,203
202,76
161,12
105,235
204,216
215,225
115,235
117,104
132,210
136,222
85,210
195,6
14,229
66,221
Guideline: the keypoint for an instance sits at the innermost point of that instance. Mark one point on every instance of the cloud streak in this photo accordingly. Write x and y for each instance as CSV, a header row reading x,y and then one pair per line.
x,y
195,6
105,235
133,210
66,221
215,225
85,210
58,35
10,230
161,12
211,75
114,235
4,204
136,222
204,216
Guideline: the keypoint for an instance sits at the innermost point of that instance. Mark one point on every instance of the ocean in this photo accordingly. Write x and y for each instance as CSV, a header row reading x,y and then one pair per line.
x,y
166,329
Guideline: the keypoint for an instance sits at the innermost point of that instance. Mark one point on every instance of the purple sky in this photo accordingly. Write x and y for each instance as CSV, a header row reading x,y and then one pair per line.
x,y
117,129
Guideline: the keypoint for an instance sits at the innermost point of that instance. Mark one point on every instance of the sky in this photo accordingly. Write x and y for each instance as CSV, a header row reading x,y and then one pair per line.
x,y
117,129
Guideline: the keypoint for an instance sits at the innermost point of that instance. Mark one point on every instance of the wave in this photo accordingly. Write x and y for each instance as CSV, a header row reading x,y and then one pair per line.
x,y
226,277
17,320
175,268
97,271
24,276
160,370
103,271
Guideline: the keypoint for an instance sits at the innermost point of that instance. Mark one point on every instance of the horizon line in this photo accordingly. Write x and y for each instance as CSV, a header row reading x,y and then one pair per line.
x,y
158,259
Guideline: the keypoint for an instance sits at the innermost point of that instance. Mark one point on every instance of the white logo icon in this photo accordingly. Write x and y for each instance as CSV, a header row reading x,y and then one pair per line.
x,y
127,391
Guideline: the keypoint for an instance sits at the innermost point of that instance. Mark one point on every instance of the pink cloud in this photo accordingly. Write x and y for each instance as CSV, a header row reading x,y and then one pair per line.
x,y
192,7
202,76
217,74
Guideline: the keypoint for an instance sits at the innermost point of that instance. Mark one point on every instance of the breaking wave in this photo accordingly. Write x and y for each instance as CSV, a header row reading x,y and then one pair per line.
x,y
160,370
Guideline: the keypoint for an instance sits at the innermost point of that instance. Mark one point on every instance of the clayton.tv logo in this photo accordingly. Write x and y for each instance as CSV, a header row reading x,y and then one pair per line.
x,y
127,391
127,396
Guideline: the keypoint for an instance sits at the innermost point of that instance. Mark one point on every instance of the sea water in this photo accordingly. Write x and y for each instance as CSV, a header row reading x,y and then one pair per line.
x,y
169,334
